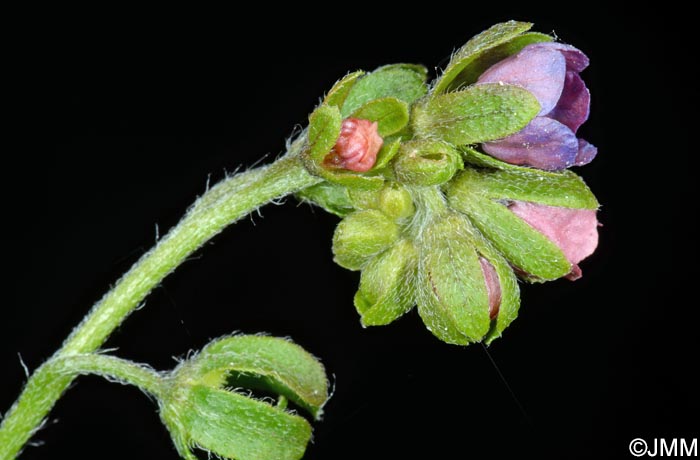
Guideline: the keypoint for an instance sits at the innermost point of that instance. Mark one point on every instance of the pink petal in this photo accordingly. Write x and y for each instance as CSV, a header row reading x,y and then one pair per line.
x,y
493,286
574,104
575,231
539,70
544,143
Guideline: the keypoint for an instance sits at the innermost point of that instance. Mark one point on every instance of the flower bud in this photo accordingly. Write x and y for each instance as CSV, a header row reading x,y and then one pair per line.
x,y
426,162
453,298
386,285
204,406
543,223
357,146
574,231
361,236
396,202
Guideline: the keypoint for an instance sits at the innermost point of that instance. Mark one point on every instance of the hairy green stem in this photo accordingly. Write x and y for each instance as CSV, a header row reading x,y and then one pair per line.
x,y
110,367
220,206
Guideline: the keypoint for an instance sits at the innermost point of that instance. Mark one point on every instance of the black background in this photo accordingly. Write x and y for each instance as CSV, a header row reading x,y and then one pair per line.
x,y
122,116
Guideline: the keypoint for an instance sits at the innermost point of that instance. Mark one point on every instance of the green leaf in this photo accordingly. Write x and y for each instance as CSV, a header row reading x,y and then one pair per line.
x,y
361,236
477,114
425,162
390,114
490,38
331,197
278,365
238,427
451,290
564,189
337,95
386,285
324,129
481,61
402,81
523,246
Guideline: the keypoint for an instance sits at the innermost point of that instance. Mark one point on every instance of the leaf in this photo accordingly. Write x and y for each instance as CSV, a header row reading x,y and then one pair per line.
x,y
451,291
490,38
361,236
337,95
477,114
390,114
402,81
331,197
386,285
564,189
237,427
324,129
523,246
280,365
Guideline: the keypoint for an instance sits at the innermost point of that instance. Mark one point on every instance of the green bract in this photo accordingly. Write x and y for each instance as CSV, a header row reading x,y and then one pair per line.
x,y
208,403
423,223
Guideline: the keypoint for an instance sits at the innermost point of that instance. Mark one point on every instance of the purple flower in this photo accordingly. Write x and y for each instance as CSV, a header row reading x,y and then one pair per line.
x,y
550,71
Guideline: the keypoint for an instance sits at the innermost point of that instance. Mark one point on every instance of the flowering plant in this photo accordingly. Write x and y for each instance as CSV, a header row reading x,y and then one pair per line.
x,y
448,191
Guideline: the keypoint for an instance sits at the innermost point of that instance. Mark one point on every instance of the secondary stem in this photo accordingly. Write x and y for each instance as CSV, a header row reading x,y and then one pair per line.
x,y
220,206
110,367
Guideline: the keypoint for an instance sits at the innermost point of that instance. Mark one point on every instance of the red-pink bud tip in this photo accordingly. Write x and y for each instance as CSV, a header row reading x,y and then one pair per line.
x,y
357,146
493,286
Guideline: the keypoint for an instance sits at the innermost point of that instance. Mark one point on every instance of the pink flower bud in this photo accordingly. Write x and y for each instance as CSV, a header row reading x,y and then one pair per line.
x,y
493,286
357,146
575,231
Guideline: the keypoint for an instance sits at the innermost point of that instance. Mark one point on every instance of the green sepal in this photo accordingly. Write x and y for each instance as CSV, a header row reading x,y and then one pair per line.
x,y
402,81
361,236
235,426
451,291
488,39
323,132
479,63
332,197
510,292
425,162
395,201
388,151
339,92
476,114
203,405
564,189
270,363
391,114
523,246
386,285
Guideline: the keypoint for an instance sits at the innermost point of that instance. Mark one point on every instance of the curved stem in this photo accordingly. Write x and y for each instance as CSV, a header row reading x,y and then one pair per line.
x,y
220,206
112,368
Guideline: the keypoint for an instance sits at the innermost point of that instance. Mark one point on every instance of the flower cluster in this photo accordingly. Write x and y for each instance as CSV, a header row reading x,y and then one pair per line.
x,y
451,191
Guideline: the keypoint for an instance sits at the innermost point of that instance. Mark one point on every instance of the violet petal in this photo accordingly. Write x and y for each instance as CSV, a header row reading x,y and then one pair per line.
x,y
544,143
575,231
576,60
586,153
574,104
539,70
